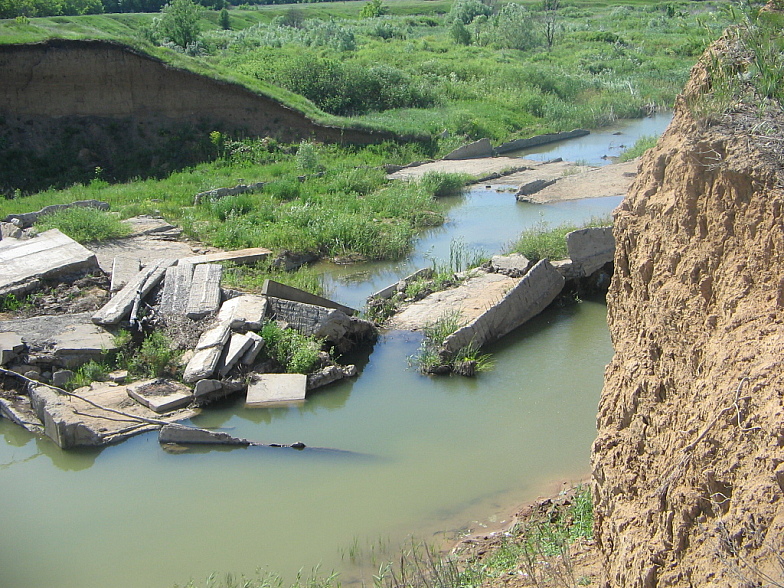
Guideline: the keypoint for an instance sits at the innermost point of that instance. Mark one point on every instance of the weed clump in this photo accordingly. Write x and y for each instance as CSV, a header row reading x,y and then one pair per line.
x,y
84,224
295,352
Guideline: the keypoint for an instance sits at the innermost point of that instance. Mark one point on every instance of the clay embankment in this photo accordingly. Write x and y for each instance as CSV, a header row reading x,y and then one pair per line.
x,y
94,104
689,460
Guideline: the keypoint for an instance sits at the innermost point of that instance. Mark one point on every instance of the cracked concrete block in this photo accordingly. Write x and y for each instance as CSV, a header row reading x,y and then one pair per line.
x,y
253,351
591,248
202,365
245,312
119,307
124,269
176,289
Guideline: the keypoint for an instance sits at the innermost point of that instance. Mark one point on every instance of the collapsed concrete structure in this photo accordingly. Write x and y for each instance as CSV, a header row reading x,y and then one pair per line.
x,y
38,354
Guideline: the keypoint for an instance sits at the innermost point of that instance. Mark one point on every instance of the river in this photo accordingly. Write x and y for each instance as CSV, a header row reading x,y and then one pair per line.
x,y
422,456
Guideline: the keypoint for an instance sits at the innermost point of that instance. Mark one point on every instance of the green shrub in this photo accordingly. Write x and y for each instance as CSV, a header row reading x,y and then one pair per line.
x,y
467,10
297,353
640,146
155,357
84,224
92,371
544,242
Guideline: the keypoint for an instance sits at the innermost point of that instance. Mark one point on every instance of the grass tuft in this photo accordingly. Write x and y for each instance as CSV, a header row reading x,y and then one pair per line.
x,y
84,224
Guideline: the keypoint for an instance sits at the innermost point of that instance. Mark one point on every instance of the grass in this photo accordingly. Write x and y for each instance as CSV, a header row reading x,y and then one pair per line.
x,y
640,146
429,358
250,278
544,241
84,224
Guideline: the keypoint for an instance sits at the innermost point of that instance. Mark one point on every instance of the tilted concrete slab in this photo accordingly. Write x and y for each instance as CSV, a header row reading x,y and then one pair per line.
x,y
176,289
48,255
202,365
472,298
278,290
250,255
238,345
257,344
275,389
119,307
591,248
537,289
215,336
124,269
245,312
67,340
160,395
205,294
72,422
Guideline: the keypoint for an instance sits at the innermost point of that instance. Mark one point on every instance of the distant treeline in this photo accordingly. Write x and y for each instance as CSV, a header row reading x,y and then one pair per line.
x,y
32,8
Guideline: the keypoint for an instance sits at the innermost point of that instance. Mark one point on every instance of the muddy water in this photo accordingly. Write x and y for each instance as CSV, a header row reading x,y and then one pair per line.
x,y
418,455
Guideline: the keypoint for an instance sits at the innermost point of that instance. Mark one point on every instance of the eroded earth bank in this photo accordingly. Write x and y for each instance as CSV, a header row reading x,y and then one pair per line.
x,y
688,465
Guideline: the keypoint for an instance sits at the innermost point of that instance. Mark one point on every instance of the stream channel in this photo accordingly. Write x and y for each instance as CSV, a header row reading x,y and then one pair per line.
x,y
424,457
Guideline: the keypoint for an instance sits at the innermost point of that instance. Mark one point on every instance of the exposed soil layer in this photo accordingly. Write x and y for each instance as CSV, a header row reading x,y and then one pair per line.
x,y
688,464
68,107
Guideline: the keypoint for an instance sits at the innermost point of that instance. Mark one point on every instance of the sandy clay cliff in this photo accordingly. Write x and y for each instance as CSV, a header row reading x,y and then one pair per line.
x,y
688,464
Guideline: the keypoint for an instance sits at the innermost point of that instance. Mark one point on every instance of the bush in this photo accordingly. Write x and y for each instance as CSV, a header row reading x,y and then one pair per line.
x,y
297,353
84,224
155,358
459,33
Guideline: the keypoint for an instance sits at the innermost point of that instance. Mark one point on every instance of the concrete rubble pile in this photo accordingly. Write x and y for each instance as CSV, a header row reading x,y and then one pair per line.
x,y
38,355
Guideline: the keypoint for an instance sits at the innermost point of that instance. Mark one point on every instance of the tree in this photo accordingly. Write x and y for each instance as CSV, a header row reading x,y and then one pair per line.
x,y
515,28
179,22
467,10
223,20
460,34
373,9
550,21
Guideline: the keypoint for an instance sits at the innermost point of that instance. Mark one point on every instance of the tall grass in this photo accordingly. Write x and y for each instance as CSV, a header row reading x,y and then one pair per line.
x,y
543,241
84,224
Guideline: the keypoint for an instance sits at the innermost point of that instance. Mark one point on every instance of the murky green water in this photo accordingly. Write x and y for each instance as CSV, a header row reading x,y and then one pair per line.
x,y
425,456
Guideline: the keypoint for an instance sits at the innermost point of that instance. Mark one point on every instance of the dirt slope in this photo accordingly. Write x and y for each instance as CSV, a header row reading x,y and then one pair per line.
x,y
67,107
688,464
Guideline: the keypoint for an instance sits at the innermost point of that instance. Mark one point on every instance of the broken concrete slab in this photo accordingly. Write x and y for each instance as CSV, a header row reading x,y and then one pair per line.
x,y
245,312
176,289
257,344
533,187
67,340
267,390
206,387
160,395
205,294
182,435
469,300
480,148
10,231
218,193
278,290
152,227
93,416
214,336
529,297
124,269
392,289
519,144
514,265
11,346
238,345
591,248
329,375
119,307
48,255
250,255
202,365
